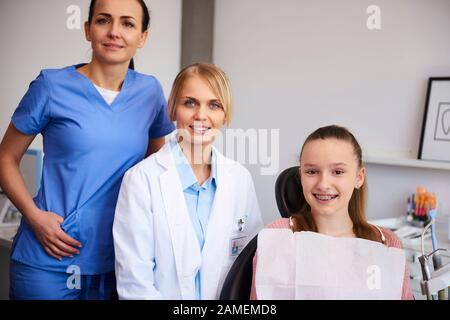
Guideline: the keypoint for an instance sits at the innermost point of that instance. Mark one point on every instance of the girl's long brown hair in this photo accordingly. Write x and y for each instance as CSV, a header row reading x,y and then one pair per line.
x,y
303,219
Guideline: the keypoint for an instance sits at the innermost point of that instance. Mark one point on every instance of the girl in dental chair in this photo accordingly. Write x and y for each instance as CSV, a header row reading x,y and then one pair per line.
x,y
334,197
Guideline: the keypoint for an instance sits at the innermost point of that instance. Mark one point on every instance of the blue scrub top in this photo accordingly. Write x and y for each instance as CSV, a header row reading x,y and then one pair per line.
x,y
88,146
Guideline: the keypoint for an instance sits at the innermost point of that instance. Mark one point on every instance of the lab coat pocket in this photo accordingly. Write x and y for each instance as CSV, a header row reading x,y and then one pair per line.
x,y
187,286
71,225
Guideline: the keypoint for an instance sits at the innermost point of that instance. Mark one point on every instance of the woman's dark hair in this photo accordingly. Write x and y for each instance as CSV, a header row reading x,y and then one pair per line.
x,y
145,20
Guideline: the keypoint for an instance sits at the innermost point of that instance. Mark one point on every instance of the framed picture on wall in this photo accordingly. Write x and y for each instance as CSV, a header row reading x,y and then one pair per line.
x,y
435,137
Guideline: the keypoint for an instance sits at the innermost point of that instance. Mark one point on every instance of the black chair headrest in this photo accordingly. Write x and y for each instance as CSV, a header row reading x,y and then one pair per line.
x,y
288,192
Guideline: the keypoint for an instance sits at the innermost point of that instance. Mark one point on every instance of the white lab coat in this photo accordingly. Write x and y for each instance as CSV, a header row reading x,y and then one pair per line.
x,y
156,248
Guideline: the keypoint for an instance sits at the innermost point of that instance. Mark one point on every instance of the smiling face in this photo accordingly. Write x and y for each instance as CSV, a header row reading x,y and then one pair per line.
x,y
329,173
199,112
115,31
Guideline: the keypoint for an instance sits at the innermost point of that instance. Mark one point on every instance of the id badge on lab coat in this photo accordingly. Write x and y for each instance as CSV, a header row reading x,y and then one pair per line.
x,y
239,237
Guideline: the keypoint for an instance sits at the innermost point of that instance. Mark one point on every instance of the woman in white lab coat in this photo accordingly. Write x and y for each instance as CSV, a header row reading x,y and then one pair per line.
x,y
186,212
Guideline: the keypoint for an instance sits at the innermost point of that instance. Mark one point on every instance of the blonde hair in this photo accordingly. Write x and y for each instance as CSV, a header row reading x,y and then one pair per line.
x,y
214,76
357,205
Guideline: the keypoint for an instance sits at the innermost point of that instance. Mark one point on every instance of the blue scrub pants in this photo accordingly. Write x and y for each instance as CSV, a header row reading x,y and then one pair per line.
x,y
30,283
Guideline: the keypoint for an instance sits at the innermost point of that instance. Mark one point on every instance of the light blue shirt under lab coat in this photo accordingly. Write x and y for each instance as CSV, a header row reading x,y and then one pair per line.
x,y
199,199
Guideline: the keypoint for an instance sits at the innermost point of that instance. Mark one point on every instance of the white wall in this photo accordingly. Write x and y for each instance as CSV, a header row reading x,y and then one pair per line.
x,y
34,36
294,65
300,64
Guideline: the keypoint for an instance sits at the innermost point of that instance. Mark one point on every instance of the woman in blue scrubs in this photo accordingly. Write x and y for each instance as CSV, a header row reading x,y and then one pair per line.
x,y
97,120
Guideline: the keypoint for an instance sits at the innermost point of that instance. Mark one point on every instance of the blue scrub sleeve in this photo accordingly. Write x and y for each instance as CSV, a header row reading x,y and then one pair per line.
x,y
31,116
161,125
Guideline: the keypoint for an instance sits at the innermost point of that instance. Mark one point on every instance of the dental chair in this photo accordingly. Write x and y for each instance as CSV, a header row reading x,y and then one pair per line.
x,y
288,192
289,196
238,283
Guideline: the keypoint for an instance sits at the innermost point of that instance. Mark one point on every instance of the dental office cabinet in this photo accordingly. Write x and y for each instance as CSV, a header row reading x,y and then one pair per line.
x,y
391,181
